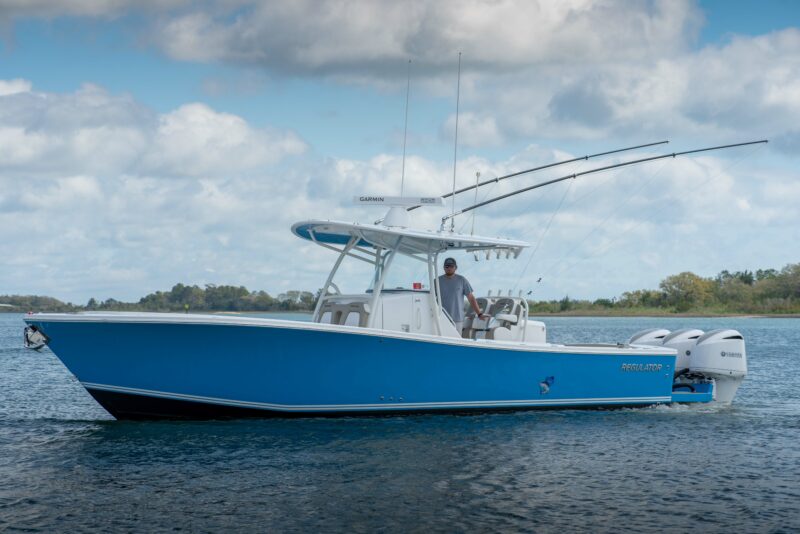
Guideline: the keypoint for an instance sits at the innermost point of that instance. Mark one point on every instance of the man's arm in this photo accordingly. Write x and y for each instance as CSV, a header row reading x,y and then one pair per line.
x,y
475,307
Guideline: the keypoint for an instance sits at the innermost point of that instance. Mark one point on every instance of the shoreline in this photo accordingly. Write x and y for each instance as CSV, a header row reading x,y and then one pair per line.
x,y
589,314
583,314
650,313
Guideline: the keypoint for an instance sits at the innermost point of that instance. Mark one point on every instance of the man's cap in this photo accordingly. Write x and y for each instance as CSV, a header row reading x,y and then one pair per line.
x,y
450,261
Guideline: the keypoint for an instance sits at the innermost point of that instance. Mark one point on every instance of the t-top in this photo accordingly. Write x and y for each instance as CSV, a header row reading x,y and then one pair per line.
x,y
454,289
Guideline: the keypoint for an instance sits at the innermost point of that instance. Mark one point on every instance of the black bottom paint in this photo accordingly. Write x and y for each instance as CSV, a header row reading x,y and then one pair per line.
x,y
142,407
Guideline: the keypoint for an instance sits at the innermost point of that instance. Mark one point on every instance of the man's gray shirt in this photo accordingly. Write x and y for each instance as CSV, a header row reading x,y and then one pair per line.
x,y
454,289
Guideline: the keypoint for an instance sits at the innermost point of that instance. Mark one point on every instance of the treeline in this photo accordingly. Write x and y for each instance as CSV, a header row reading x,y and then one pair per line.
x,y
179,298
219,298
763,291
26,303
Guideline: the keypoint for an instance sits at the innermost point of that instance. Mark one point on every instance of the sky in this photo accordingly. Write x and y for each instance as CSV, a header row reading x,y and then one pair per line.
x,y
146,143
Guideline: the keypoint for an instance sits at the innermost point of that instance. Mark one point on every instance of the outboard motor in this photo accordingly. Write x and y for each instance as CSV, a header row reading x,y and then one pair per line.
x,y
720,354
717,356
683,341
652,336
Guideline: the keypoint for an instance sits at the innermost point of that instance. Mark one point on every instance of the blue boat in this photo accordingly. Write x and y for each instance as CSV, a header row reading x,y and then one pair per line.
x,y
386,350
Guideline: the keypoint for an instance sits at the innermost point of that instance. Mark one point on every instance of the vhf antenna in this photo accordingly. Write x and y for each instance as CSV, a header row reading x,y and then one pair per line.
x,y
455,143
405,130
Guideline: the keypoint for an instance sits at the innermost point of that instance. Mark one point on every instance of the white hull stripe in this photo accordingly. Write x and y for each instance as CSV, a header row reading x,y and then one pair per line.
x,y
381,406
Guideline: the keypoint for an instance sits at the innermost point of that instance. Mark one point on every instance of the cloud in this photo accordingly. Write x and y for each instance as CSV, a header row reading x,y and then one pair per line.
x,y
102,196
96,187
355,36
84,8
582,103
750,84
10,87
185,202
578,69
94,131
531,69
788,142
89,130
474,130
195,140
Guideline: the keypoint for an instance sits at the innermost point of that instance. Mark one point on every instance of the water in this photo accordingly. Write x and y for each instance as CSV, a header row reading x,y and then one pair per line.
x,y
66,466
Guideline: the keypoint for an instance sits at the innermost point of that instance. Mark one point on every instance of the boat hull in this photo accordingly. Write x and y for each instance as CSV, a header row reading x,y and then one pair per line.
x,y
148,366
134,407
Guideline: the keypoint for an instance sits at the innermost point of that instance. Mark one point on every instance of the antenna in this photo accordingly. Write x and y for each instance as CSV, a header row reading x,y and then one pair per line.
x,y
455,143
405,131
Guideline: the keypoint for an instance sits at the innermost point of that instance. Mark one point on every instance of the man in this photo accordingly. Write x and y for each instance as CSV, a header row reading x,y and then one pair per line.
x,y
454,288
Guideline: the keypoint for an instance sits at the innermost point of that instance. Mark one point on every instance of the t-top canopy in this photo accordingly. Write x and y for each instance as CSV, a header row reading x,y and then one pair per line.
x,y
413,241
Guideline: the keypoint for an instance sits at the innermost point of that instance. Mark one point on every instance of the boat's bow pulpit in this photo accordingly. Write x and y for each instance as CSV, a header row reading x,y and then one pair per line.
x,y
414,310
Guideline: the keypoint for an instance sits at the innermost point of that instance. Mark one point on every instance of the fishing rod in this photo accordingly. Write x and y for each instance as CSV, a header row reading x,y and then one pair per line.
x,y
549,165
591,171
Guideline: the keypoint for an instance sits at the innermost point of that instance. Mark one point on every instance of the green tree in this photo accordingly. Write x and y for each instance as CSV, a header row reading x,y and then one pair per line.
x,y
603,303
686,290
734,293
308,300
765,274
226,298
642,298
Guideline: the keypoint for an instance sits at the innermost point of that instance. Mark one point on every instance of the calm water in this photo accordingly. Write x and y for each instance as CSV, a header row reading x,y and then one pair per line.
x,y
66,466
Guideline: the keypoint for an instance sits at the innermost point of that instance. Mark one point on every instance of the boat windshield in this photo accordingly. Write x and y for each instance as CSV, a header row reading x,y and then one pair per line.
x,y
405,273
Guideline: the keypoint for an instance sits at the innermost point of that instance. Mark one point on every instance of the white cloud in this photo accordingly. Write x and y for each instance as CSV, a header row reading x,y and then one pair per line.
x,y
71,192
359,35
531,69
89,130
94,131
195,140
102,196
584,69
122,229
750,84
9,87
86,198
473,130
356,35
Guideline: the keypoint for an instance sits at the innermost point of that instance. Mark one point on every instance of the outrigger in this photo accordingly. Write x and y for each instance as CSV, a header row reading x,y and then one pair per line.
x,y
384,350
